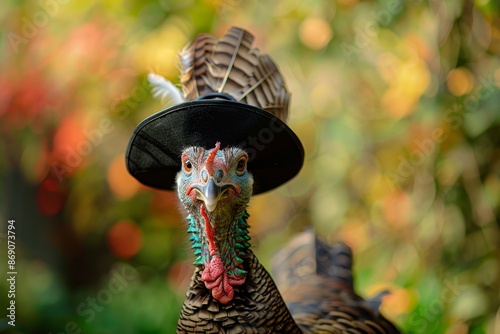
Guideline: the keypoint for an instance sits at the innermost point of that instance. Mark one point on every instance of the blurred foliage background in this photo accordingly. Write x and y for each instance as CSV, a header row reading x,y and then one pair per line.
x,y
397,104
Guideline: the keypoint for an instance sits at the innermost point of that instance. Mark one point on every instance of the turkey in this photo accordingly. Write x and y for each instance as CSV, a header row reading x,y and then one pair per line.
x,y
222,142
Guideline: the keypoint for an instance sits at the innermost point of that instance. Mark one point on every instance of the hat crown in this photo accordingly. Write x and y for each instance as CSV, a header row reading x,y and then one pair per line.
x,y
213,96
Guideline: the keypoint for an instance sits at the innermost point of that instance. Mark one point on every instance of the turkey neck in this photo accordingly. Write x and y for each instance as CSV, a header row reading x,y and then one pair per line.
x,y
217,234
220,244
257,305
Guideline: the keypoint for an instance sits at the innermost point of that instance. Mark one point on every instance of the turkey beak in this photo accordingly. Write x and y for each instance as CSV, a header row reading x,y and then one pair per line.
x,y
211,193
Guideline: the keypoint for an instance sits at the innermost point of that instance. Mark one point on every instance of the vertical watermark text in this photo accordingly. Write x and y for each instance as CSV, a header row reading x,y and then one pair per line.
x,y
11,272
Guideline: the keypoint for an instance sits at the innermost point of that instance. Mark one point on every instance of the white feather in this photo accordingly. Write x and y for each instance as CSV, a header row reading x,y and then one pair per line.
x,y
164,89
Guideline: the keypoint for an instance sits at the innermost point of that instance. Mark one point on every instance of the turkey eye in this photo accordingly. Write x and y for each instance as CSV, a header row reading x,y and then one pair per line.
x,y
241,166
187,166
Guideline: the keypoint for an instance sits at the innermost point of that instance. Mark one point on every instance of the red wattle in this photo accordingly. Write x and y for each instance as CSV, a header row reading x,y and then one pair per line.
x,y
215,275
216,279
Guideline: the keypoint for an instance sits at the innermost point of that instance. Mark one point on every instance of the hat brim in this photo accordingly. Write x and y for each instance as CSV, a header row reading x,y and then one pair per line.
x,y
154,151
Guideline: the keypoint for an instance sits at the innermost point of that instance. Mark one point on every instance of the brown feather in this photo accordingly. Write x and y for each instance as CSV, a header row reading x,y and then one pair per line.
x,y
316,283
232,66
233,62
193,61
267,89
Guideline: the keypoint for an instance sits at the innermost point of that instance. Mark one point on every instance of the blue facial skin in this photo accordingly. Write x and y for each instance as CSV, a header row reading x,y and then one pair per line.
x,y
216,177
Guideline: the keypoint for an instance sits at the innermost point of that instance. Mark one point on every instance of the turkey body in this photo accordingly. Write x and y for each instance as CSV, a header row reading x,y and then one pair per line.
x,y
256,308
318,296
317,285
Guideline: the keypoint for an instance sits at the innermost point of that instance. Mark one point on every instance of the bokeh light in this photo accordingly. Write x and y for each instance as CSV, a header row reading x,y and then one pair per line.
x,y
460,81
124,239
50,197
315,33
120,181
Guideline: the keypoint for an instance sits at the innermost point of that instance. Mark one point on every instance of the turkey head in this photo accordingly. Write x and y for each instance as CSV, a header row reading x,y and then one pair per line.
x,y
214,186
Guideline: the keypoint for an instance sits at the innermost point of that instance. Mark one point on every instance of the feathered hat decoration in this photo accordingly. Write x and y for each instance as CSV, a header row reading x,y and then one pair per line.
x,y
231,95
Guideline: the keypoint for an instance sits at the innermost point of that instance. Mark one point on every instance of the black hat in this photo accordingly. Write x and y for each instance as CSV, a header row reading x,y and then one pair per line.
x,y
236,97
154,152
